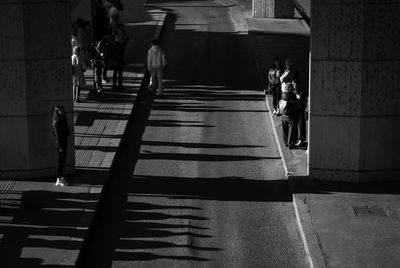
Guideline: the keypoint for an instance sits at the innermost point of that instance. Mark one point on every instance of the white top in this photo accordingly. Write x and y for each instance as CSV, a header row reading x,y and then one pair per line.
x,y
286,80
156,58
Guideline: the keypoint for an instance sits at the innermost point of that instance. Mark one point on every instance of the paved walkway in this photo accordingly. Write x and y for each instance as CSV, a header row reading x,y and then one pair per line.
x,y
200,181
43,225
344,224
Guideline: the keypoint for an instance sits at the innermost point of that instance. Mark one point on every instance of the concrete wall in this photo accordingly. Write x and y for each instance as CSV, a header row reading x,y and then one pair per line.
x,y
35,75
355,80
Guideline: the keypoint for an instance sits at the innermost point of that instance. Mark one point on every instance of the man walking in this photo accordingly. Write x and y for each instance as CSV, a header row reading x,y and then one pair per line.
x,y
155,63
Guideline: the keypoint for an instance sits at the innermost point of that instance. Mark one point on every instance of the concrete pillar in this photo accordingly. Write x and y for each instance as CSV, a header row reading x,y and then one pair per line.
x,y
273,9
35,75
355,90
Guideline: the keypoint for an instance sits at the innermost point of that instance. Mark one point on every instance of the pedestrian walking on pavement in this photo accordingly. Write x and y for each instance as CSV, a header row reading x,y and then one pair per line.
x,y
78,69
106,49
155,63
97,63
302,105
121,40
289,110
274,85
61,132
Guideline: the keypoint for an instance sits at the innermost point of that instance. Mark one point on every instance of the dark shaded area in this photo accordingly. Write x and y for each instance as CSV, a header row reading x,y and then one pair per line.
x,y
202,157
197,145
176,123
223,189
87,118
305,185
38,219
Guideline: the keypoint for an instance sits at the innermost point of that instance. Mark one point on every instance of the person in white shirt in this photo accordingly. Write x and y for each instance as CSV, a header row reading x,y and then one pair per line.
x,y
155,63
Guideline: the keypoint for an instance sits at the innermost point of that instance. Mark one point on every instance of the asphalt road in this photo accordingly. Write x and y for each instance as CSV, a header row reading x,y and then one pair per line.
x,y
204,185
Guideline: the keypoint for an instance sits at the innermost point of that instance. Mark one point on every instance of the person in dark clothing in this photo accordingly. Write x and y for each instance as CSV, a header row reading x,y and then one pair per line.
x,y
97,63
106,49
302,105
289,110
61,131
275,84
121,39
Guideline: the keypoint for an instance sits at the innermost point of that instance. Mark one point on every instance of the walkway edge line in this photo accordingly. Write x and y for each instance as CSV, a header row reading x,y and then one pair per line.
x,y
288,177
287,174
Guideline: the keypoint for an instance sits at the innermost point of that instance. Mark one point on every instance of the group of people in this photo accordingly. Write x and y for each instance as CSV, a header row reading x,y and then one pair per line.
x,y
289,101
103,50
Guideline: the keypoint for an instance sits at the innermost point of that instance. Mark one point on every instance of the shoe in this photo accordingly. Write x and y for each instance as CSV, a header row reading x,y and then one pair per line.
x,y
104,81
151,89
299,143
63,182
58,182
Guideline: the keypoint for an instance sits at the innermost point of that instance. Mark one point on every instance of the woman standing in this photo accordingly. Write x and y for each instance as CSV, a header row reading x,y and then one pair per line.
x,y
61,132
275,84
78,69
121,40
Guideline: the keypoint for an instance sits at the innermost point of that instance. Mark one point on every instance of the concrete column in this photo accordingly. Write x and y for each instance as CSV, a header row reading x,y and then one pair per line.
x,y
273,9
35,75
354,90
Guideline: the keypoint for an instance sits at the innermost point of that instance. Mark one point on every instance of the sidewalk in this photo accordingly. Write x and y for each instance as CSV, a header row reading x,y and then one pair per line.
x,y
44,225
343,224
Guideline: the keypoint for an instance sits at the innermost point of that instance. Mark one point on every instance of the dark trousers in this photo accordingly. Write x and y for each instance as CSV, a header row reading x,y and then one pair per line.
x,y
61,159
98,69
276,95
289,130
118,71
106,65
302,125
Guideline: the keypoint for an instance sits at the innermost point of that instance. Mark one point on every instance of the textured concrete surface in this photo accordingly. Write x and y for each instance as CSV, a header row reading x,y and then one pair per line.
x,y
34,77
353,101
44,225
278,26
350,225
200,181
273,9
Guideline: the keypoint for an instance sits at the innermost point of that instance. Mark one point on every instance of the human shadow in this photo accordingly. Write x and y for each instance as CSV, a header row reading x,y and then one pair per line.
x,y
202,157
197,145
222,189
304,185
42,221
87,118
